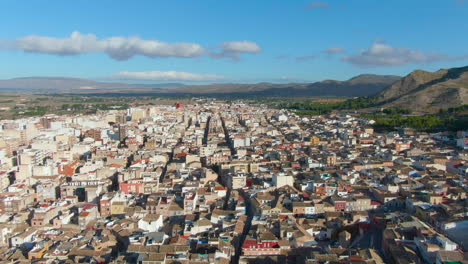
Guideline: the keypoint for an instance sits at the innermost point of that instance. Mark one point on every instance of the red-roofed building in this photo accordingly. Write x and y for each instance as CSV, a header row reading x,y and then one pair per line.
x,y
269,246
88,214
105,207
88,206
69,169
131,187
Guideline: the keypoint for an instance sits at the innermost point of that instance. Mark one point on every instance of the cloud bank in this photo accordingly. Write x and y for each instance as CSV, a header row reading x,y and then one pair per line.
x,y
306,57
316,5
166,76
333,50
122,48
119,48
233,49
381,55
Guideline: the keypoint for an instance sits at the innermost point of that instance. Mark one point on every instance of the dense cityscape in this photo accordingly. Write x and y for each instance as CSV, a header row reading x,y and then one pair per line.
x,y
234,132
211,181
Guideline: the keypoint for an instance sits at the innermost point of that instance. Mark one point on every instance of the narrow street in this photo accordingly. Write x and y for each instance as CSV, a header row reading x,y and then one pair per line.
x,y
226,136
245,196
171,157
207,131
248,225
373,237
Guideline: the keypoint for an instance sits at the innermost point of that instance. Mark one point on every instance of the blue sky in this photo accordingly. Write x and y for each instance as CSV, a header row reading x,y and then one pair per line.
x,y
230,41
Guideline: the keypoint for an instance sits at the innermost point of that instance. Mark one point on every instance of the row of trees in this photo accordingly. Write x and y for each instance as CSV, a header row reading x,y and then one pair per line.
x,y
325,108
423,122
81,107
35,111
452,110
309,107
390,118
73,107
395,111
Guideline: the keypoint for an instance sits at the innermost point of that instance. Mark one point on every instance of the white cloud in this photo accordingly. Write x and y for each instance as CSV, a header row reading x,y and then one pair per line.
x,y
119,48
316,5
166,76
123,48
241,46
381,54
461,3
333,50
77,43
233,49
306,57
282,57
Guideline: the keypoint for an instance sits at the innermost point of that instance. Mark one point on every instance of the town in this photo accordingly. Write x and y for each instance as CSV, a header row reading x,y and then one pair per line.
x,y
211,181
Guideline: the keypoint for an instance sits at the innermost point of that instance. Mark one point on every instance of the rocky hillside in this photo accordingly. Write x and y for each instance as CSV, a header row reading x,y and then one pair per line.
x,y
424,91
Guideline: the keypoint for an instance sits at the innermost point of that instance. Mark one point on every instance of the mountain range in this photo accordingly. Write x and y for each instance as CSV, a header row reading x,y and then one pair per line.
x,y
420,90
66,84
362,85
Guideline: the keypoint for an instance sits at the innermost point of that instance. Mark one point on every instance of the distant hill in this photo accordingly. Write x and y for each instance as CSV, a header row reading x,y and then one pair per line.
x,y
428,91
362,85
65,84
373,78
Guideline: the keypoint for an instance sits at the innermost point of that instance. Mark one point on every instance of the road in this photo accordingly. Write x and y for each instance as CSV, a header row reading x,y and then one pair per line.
x,y
248,224
373,237
226,136
245,196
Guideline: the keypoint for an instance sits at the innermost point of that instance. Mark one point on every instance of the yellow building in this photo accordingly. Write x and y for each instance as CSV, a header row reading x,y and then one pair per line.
x,y
38,251
118,207
138,114
314,140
